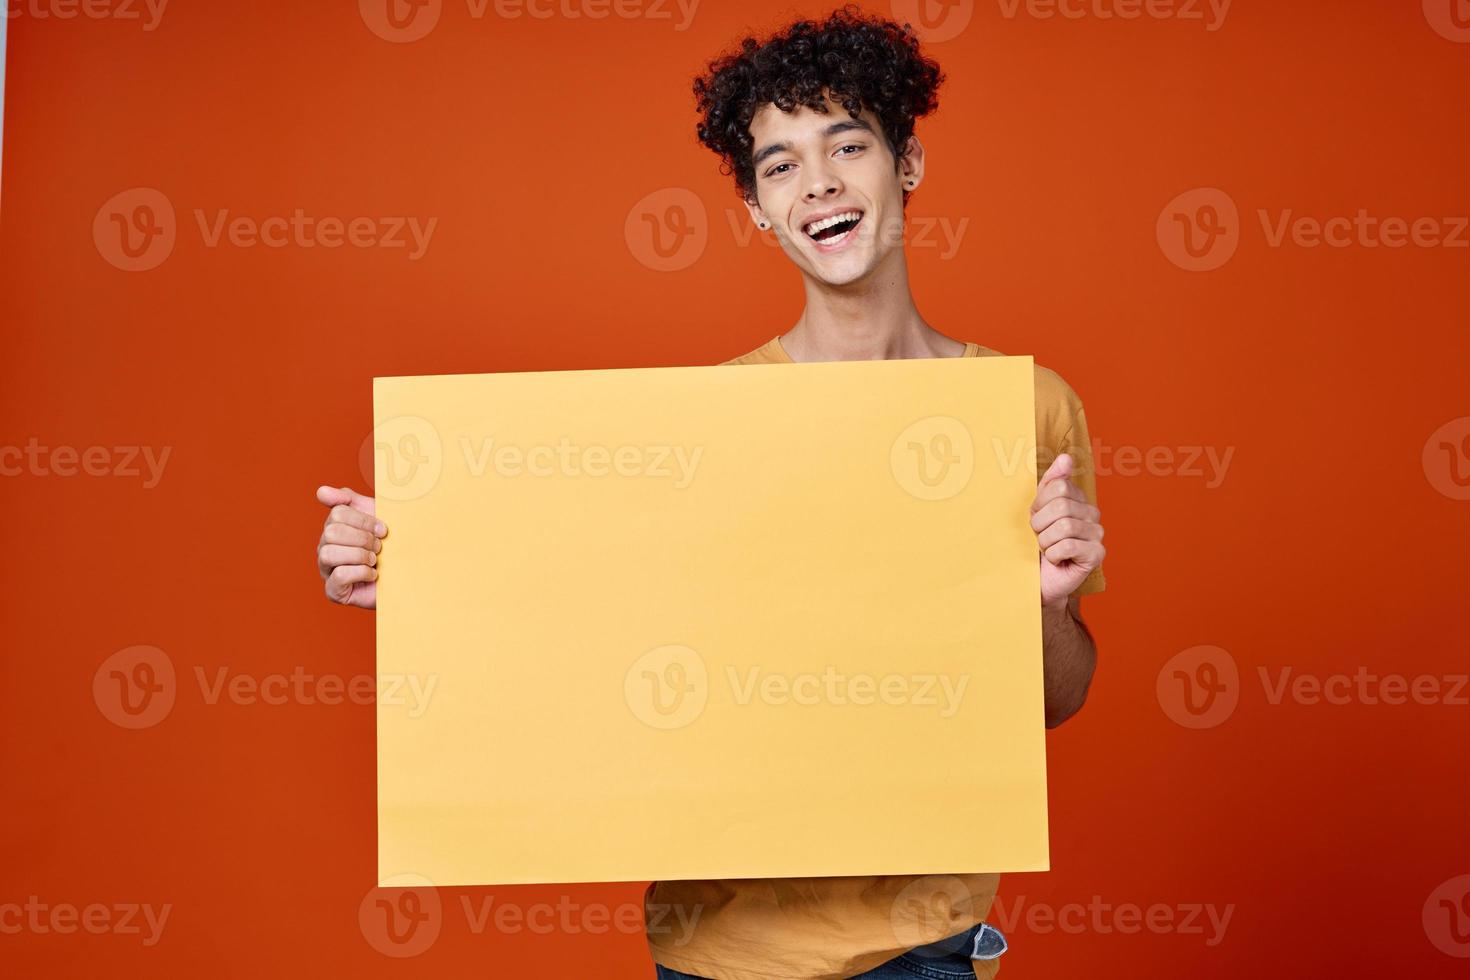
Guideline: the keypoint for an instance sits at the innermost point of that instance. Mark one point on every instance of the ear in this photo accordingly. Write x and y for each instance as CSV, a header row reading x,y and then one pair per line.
x,y
757,214
911,165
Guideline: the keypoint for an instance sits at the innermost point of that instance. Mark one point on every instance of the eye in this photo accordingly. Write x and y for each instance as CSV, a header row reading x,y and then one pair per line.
x,y
777,170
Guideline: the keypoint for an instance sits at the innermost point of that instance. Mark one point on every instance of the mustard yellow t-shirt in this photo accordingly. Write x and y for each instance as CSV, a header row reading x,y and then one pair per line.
x,y
831,928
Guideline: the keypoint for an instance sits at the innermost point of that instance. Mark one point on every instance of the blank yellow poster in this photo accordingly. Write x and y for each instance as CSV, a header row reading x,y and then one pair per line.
x,y
709,622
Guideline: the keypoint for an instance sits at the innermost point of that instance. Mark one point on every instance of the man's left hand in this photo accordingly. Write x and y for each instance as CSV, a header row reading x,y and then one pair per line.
x,y
1067,532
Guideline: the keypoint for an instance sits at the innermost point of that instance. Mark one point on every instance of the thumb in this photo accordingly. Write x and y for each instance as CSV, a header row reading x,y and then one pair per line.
x,y
1059,468
332,496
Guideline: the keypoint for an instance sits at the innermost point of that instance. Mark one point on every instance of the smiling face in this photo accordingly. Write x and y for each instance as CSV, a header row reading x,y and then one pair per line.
x,y
831,189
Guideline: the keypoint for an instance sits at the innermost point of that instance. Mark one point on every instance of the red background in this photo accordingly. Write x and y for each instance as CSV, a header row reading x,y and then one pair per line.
x,y
1329,545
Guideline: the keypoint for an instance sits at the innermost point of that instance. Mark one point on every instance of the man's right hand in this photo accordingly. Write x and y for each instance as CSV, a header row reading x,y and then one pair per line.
x,y
347,554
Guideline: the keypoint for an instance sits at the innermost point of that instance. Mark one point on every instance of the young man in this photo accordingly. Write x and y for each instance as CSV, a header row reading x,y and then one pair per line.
x,y
816,123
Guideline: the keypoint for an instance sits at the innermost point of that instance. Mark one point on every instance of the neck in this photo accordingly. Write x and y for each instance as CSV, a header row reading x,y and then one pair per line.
x,y
871,320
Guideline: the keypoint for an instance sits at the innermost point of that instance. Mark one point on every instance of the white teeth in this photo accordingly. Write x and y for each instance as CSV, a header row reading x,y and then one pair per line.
x,y
817,226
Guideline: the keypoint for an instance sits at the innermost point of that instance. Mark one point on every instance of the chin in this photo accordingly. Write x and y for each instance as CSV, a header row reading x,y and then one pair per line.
x,y
844,274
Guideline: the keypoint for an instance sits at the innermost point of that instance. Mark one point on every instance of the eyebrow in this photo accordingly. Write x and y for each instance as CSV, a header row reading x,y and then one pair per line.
x,y
842,126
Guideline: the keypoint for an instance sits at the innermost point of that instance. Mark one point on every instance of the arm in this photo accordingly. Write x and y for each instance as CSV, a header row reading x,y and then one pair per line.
x,y
1069,656
1069,534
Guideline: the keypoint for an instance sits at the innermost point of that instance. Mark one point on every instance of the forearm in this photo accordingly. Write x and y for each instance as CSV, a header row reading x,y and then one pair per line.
x,y
1068,658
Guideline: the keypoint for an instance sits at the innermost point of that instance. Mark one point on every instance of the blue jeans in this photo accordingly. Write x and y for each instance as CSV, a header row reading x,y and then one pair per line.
x,y
948,958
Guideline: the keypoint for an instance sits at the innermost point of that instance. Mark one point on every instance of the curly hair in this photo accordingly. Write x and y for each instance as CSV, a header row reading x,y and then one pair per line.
x,y
864,61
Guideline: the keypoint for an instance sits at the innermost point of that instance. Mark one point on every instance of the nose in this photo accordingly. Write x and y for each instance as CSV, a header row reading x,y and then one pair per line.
x,y
822,184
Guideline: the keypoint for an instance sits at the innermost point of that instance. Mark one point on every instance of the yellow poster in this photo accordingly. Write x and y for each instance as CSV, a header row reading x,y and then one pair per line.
x,y
709,622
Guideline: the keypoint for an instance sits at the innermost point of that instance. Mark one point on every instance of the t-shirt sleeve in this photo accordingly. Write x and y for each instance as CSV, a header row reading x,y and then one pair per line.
x,y
1062,428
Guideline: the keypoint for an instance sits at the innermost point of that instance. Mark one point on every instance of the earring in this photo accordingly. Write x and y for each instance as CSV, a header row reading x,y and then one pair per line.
x,y
762,225
909,182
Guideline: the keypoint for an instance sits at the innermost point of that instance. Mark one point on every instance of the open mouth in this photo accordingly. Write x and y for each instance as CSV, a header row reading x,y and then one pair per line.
x,y
834,230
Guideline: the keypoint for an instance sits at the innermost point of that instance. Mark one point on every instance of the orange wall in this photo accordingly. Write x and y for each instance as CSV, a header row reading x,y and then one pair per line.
x,y
1331,540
